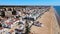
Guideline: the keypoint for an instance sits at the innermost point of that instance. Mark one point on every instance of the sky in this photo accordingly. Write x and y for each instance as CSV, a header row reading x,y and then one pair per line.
x,y
29,2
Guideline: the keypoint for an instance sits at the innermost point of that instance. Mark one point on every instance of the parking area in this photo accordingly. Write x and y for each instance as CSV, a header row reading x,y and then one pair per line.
x,y
15,19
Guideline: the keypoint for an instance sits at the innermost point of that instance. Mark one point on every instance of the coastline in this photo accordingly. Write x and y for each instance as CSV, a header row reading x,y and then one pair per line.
x,y
57,17
50,23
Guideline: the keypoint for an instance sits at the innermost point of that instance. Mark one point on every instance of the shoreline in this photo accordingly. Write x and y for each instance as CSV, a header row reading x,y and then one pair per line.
x,y
50,23
57,17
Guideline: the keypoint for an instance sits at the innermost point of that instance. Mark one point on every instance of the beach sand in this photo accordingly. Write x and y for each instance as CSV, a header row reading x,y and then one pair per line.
x,y
48,19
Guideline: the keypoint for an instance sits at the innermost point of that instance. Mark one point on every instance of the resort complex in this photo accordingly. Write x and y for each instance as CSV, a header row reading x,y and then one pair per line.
x,y
28,20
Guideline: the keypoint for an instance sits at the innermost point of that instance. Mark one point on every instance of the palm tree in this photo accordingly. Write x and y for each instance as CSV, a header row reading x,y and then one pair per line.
x,y
0,25
27,27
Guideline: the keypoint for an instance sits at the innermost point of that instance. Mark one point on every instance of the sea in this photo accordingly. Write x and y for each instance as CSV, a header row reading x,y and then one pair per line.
x,y
57,8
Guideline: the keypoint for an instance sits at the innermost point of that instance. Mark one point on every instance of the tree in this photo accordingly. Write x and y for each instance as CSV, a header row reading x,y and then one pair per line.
x,y
27,27
0,25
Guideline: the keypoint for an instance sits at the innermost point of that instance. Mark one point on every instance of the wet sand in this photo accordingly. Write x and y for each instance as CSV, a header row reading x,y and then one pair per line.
x,y
50,24
58,18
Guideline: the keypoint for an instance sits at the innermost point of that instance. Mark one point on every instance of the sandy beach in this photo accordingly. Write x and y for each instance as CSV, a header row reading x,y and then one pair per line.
x,y
50,24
